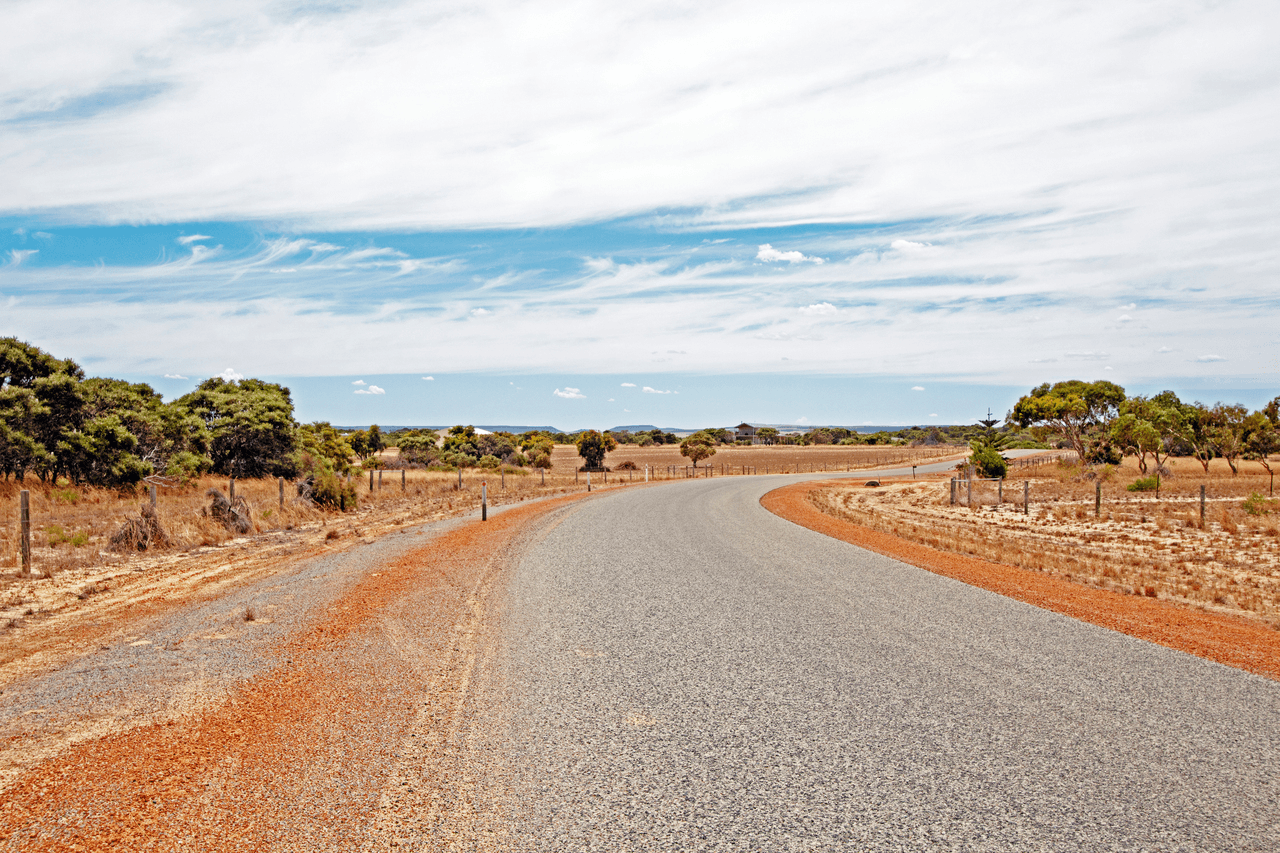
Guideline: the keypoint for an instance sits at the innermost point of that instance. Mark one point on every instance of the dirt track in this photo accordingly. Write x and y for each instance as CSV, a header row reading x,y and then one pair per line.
x,y
1234,641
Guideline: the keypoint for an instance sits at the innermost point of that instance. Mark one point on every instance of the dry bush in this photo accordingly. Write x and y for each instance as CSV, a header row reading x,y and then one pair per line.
x,y
141,533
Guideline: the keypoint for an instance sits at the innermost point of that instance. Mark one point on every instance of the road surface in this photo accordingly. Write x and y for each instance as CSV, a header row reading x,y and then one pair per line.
x,y
685,671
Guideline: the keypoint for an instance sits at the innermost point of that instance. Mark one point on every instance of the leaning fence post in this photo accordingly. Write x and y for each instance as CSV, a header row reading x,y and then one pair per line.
x,y
1097,499
1201,505
24,530
484,500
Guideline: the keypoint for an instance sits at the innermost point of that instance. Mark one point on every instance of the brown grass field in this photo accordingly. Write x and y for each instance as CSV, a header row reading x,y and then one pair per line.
x,y
1137,544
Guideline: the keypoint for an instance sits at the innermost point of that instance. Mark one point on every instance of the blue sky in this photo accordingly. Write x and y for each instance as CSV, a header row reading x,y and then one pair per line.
x,y
781,217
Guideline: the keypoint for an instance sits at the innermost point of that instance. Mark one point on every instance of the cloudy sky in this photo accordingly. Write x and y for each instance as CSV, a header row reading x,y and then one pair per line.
x,y
842,212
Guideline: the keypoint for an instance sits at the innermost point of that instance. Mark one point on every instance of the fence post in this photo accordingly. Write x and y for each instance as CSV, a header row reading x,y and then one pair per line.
x,y
232,490
24,530
953,491
282,493
403,478
968,497
543,473
1097,499
1026,495
459,477
371,479
588,481
646,473
1000,491
1202,506
153,495
504,479
484,500
379,479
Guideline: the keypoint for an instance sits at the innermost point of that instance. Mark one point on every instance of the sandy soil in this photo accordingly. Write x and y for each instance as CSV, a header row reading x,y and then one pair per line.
x,y
1229,638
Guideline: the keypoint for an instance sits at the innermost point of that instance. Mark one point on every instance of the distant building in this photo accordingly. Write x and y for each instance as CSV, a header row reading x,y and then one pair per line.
x,y
746,432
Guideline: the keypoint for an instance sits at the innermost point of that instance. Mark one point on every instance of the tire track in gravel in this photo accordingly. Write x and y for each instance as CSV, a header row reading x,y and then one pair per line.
x,y
368,734
1225,639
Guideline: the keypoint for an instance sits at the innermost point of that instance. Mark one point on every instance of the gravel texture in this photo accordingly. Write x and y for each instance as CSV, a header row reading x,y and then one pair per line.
x,y
687,671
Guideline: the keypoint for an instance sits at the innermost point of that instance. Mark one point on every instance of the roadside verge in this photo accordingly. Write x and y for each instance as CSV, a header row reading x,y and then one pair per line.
x,y
1224,639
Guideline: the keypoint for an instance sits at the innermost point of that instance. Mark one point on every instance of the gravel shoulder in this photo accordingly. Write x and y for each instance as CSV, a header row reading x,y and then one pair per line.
x,y
342,717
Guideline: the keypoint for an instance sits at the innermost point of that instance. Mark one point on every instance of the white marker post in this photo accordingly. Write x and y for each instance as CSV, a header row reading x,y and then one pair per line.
x,y
484,501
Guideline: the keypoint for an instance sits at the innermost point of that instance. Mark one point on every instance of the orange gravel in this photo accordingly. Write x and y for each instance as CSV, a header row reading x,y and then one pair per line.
x,y
358,739
1228,640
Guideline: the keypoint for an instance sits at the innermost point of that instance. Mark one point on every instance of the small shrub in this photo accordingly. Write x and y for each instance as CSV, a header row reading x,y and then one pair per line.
x,y
1145,484
489,461
65,496
1256,504
628,465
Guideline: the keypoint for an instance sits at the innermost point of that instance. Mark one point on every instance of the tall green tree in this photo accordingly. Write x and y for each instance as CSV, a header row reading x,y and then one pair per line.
x,y
250,425
1080,412
593,445
1228,430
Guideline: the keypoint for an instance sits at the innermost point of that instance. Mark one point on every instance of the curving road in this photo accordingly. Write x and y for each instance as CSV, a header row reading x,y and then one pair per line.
x,y
687,671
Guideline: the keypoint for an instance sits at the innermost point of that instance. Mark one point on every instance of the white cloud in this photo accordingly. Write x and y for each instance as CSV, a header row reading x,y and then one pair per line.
x,y
907,245
230,375
802,420
174,376
1163,350
479,312
628,384
570,393
917,387
1091,355
1130,307
428,379
193,238
1124,318
17,256
933,414
819,309
1204,359
768,254
610,400
358,382
372,389
647,390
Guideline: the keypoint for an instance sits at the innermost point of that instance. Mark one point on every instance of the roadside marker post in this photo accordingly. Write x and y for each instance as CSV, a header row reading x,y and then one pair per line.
x,y
484,500
24,530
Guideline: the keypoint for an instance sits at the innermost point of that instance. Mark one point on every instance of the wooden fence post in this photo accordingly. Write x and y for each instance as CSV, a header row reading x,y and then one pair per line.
x,y
1026,495
24,530
968,499
1097,499
403,483
459,477
953,491
379,479
1201,506
232,490
282,493
371,479
153,495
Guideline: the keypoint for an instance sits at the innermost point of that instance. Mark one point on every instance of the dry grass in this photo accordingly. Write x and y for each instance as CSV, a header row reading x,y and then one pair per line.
x,y
1138,544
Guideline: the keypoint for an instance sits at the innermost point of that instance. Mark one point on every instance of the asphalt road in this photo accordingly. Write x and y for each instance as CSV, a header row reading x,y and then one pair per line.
x,y
687,671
